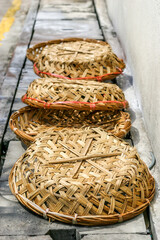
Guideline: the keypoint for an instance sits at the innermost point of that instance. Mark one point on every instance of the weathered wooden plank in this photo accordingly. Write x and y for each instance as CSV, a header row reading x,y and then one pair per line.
x,y
15,150
51,34
18,56
18,104
2,124
8,90
27,76
10,80
117,237
16,62
4,186
28,64
28,24
6,201
55,29
11,75
4,107
21,91
135,225
15,220
64,2
28,72
67,6
59,15
57,25
9,136
21,237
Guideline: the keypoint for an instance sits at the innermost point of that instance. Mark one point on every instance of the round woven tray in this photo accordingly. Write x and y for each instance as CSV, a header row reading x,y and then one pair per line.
x,y
75,58
28,122
82,177
66,94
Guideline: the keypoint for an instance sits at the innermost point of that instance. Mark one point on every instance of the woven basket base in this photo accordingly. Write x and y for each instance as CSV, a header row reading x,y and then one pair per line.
x,y
82,177
75,58
28,122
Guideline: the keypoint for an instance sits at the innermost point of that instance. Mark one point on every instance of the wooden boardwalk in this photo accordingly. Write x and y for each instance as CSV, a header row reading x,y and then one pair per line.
x,y
48,20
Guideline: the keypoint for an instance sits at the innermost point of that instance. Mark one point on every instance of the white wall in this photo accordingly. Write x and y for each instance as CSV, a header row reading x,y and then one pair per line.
x,y
137,23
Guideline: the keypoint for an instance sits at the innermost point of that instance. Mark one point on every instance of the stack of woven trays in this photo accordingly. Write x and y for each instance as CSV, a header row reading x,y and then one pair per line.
x,y
66,103
72,98
76,169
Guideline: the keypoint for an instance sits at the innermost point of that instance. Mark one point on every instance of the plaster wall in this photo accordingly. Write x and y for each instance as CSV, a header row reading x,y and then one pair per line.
x,y
137,24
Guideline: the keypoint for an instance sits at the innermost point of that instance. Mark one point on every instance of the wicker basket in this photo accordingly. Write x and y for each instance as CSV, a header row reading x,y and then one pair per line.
x,y
66,94
75,58
84,177
28,122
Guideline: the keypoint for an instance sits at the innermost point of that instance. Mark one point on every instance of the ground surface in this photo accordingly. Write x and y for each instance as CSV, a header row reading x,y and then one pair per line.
x,y
48,20
10,32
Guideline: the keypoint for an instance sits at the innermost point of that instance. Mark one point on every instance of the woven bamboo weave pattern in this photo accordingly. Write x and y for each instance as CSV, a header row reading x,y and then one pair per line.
x,y
75,58
82,177
65,94
28,122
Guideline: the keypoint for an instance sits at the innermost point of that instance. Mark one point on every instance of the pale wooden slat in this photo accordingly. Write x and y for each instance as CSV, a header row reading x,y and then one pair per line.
x,y
117,237
59,15
67,24
67,6
22,237
7,90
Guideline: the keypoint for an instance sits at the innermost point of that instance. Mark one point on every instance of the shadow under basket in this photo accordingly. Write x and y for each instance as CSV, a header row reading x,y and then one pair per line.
x,y
66,94
75,58
85,177
27,122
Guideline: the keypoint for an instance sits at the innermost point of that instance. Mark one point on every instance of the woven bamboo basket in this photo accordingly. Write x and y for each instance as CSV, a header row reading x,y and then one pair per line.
x,y
28,122
85,177
75,58
66,94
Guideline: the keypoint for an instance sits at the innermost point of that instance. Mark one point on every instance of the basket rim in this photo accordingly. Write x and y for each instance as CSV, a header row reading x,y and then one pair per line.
x,y
73,104
98,78
27,137
81,220
56,41
17,131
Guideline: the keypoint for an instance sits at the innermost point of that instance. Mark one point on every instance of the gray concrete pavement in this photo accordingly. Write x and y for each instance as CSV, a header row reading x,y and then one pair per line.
x,y
11,37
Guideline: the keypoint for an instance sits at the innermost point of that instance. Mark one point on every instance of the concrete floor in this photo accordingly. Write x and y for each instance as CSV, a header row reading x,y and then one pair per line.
x,y
5,5
11,37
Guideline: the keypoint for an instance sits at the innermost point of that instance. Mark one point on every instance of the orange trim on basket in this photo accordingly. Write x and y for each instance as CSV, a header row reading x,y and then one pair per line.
x,y
99,78
92,105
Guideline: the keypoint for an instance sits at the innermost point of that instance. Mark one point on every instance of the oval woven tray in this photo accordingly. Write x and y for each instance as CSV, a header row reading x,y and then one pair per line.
x,y
27,122
82,177
66,94
75,58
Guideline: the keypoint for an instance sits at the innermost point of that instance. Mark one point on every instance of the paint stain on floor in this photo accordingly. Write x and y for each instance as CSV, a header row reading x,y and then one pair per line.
x,y
9,18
